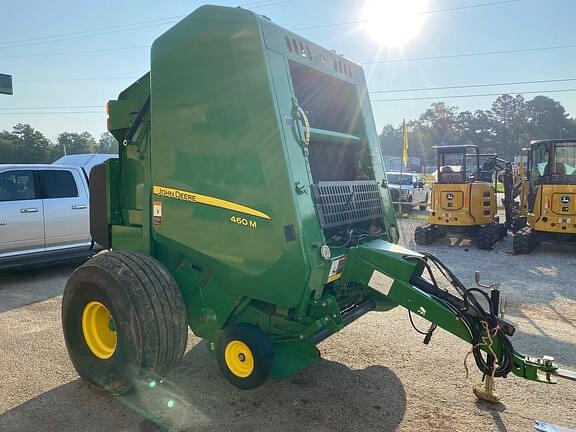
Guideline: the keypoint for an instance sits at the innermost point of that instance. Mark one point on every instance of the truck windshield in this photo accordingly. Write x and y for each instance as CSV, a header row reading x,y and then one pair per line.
x,y
397,179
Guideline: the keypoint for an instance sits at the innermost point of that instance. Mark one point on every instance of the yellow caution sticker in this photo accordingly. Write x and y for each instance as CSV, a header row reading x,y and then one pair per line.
x,y
336,268
194,197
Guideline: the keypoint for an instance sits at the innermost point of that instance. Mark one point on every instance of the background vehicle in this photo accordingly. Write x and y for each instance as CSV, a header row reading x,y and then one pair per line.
x,y
44,212
549,200
85,161
464,197
265,243
408,189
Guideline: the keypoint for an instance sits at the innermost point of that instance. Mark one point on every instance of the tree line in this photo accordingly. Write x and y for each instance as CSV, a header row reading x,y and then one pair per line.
x,y
507,127
24,144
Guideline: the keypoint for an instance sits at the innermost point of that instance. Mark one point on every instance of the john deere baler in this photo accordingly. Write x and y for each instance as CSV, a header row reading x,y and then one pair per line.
x,y
250,203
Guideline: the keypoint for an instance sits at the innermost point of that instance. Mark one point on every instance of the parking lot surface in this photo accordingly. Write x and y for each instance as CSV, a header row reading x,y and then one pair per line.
x,y
376,374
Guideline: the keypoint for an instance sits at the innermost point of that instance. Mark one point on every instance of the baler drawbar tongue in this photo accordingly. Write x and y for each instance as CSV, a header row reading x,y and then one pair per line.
x,y
464,315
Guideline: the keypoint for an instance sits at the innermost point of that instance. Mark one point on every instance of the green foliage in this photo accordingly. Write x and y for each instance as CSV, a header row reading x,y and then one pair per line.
x,y
24,145
75,143
508,126
107,144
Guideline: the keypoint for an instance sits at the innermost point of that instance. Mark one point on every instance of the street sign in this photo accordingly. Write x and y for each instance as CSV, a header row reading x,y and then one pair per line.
x,y
6,84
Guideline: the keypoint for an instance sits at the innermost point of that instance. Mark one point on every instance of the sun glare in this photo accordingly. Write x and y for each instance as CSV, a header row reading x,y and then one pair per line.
x,y
393,22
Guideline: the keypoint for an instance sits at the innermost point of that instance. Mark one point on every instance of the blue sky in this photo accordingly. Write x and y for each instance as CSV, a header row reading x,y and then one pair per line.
x,y
45,77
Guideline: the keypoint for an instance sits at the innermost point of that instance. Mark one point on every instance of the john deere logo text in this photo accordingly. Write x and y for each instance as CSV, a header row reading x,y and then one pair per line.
x,y
206,200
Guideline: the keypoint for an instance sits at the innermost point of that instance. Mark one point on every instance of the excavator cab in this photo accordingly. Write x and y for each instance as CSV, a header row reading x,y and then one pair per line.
x,y
550,201
464,197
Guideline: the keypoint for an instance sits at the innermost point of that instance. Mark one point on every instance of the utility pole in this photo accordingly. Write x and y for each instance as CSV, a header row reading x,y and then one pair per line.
x,y
6,84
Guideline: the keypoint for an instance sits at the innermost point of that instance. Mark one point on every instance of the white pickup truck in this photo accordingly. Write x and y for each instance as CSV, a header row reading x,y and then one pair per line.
x,y
408,190
44,214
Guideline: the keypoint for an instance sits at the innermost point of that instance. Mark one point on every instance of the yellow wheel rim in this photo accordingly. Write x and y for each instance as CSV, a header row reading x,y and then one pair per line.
x,y
99,330
239,358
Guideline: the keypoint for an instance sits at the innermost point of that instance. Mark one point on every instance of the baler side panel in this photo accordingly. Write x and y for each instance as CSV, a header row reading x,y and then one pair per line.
x,y
213,112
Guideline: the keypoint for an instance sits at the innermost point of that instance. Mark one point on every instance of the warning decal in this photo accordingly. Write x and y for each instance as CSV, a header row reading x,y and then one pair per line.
x,y
381,282
157,212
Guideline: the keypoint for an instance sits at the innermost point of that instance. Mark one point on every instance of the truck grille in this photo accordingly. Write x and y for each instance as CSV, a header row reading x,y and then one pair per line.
x,y
346,202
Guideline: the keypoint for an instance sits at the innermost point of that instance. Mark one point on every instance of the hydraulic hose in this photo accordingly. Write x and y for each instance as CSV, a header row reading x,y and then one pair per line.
x,y
483,325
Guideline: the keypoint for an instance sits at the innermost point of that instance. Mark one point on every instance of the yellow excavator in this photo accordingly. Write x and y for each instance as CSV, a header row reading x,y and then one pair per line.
x,y
464,197
547,208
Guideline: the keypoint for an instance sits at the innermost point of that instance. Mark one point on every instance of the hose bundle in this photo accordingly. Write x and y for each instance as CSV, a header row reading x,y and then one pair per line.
x,y
482,324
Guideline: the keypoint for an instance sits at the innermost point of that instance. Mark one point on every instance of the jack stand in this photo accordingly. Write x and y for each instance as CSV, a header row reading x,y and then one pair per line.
x,y
486,392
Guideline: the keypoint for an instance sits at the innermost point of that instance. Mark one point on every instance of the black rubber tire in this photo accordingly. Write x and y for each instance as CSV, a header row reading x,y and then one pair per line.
x,y
148,312
261,349
424,206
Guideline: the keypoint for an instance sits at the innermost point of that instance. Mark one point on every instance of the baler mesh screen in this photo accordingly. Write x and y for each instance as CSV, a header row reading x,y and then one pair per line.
x,y
346,202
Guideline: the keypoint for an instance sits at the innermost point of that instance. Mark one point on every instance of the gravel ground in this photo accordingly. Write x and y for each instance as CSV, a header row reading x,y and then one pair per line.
x,y
376,374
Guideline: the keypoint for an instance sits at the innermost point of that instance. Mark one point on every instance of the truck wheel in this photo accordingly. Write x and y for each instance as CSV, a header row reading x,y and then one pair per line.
x,y
124,319
245,356
424,206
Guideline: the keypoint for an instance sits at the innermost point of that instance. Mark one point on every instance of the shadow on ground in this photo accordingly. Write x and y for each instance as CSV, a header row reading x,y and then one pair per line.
x,y
326,397
540,345
20,287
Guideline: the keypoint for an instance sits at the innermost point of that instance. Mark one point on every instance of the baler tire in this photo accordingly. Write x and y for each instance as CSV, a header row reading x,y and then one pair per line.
x,y
148,317
249,341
